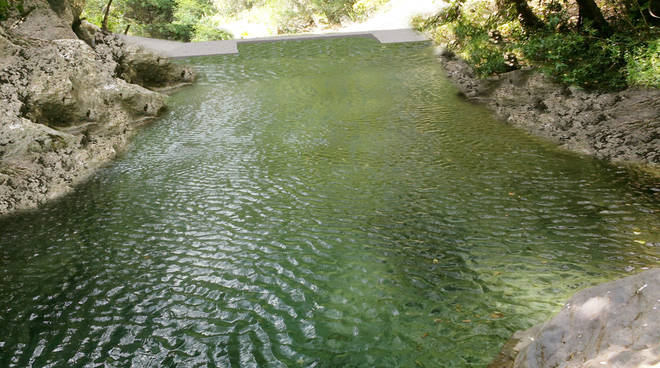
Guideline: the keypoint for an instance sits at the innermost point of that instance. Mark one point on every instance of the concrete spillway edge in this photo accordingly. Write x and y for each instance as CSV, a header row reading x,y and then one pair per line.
x,y
175,49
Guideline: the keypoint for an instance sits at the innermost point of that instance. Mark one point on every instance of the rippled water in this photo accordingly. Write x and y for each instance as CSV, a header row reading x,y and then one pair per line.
x,y
317,204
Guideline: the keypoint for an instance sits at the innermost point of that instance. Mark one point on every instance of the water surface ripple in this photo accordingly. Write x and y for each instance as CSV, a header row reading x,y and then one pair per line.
x,y
317,204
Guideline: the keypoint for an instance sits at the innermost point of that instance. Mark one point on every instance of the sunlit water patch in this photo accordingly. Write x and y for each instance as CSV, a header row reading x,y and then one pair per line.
x,y
317,204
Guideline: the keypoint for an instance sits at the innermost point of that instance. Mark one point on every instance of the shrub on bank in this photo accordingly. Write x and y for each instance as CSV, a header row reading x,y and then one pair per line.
x,y
4,9
9,6
580,59
201,20
564,46
643,64
209,29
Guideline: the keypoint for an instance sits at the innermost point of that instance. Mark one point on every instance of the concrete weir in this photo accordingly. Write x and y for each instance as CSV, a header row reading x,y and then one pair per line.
x,y
175,49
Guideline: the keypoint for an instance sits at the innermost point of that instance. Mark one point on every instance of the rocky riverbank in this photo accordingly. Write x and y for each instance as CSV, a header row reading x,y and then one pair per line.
x,y
618,126
616,324
72,96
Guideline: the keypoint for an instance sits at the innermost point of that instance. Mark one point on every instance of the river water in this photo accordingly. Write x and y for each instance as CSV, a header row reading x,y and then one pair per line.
x,y
324,203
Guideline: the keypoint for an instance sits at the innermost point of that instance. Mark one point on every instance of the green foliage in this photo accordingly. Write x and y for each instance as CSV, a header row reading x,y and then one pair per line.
x,y
643,65
294,16
151,18
637,13
291,21
334,10
203,19
361,9
488,40
192,16
149,11
579,59
94,10
467,29
192,11
168,31
4,9
155,18
476,46
209,29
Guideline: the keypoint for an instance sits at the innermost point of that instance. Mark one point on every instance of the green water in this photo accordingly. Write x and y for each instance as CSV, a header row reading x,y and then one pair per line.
x,y
317,204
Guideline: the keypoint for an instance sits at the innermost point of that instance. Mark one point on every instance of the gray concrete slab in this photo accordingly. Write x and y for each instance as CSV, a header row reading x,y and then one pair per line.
x,y
398,36
315,36
174,49
206,48
162,47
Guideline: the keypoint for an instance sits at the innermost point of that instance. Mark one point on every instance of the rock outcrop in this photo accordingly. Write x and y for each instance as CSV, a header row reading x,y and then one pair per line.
x,y
622,126
69,104
616,324
45,20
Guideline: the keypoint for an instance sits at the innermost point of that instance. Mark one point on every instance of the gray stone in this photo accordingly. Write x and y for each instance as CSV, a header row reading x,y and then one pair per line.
x,y
87,31
615,126
66,109
616,324
47,20
141,67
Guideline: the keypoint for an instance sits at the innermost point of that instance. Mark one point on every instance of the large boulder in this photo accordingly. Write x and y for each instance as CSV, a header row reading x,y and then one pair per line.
x,y
66,107
133,63
154,72
65,88
63,115
47,20
616,324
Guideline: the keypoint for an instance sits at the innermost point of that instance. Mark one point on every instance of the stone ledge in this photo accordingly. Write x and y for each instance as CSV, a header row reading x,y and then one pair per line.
x,y
616,324
175,49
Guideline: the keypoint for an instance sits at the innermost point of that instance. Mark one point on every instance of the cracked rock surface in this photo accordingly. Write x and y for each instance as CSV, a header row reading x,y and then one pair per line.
x,y
69,103
616,324
618,126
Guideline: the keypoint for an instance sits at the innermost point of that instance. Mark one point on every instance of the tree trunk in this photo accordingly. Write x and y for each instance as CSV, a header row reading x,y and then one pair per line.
x,y
589,11
528,19
104,25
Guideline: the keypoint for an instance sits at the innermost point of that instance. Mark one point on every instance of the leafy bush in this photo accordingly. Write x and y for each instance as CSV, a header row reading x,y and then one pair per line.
x,y
579,59
191,19
490,40
94,10
209,29
168,31
291,20
477,48
192,11
361,9
470,30
4,9
643,65
333,10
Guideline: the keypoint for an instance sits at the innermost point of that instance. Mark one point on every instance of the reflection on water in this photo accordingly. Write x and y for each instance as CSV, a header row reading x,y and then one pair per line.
x,y
317,204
